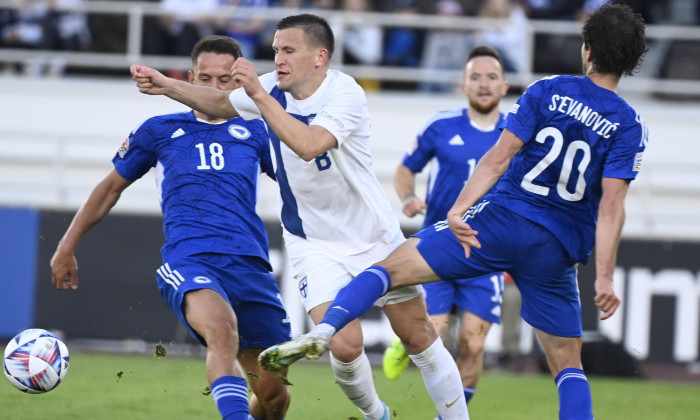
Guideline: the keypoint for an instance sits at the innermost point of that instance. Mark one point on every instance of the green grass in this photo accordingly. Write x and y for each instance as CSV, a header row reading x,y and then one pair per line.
x,y
173,388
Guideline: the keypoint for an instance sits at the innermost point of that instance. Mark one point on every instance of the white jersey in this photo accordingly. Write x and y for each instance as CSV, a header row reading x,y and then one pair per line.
x,y
335,200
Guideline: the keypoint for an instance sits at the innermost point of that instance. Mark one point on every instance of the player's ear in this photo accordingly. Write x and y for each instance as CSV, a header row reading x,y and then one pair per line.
x,y
586,52
321,57
190,76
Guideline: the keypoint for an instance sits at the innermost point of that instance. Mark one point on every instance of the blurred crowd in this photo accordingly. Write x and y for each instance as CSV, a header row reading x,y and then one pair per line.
x,y
37,24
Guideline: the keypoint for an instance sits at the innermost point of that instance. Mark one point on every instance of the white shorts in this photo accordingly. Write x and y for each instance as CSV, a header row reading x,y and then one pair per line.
x,y
321,273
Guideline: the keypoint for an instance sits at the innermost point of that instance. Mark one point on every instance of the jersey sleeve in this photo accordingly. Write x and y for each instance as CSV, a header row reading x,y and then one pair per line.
x,y
422,152
624,161
136,156
523,117
342,114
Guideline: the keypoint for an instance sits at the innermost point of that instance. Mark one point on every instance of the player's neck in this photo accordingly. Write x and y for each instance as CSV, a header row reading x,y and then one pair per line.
x,y
606,81
207,118
484,120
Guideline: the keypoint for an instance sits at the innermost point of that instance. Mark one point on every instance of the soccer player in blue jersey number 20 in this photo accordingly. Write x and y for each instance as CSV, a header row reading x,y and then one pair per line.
x,y
451,143
216,274
561,168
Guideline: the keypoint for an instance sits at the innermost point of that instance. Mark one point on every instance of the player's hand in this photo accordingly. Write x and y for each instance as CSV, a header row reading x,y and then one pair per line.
x,y
64,269
464,233
148,80
244,73
605,298
413,205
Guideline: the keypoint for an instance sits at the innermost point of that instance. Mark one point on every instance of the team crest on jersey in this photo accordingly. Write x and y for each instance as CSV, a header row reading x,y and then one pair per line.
x,y
238,131
123,148
638,162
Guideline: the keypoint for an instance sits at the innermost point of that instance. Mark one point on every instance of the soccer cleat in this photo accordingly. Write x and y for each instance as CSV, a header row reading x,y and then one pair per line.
x,y
395,359
310,345
387,413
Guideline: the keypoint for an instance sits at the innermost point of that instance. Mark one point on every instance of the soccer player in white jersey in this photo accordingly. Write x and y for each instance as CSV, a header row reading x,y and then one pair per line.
x,y
216,274
336,216
451,143
561,168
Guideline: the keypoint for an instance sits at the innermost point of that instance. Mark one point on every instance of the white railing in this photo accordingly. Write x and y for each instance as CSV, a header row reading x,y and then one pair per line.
x,y
136,11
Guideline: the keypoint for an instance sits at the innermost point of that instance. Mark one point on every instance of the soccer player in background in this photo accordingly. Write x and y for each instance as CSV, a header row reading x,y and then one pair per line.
x,y
452,142
216,274
569,149
336,215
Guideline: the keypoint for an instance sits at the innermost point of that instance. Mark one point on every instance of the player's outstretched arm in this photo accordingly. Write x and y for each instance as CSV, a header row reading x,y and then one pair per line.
x,y
210,101
611,217
64,266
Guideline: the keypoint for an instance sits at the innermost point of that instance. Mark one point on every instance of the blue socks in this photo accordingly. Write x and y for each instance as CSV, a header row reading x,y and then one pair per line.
x,y
575,402
358,296
231,397
469,393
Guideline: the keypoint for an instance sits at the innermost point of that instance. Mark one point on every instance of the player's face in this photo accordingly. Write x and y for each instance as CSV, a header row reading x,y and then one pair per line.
x,y
296,62
484,84
214,71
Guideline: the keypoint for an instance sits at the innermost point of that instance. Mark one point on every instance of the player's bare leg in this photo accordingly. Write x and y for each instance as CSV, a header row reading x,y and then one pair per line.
x,y
564,360
213,319
472,337
270,399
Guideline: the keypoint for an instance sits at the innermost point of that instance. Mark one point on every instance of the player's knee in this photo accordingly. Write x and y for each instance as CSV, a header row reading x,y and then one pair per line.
x,y
346,354
417,340
471,346
219,332
274,396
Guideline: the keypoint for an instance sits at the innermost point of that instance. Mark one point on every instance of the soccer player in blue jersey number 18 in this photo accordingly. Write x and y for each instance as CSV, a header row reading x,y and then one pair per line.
x,y
561,168
216,273
451,143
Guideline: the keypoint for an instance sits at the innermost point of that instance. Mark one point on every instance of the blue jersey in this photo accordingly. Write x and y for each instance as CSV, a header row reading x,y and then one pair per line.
x,y
575,134
207,176
456,145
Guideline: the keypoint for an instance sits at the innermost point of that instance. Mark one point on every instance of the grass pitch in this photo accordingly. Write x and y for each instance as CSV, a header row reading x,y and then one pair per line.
x,y
121,387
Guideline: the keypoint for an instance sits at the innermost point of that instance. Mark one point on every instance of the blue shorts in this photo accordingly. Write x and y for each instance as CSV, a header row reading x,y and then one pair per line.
x,y
243,282
531,254
481,296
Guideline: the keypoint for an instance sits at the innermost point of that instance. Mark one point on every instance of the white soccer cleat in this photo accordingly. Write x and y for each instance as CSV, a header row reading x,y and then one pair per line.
x,y
310,345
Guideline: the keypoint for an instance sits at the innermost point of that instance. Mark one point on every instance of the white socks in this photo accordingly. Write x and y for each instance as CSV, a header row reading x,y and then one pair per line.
x,y
355,379
442,380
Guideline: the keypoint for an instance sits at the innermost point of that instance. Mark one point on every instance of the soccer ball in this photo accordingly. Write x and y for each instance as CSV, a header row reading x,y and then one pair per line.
x,y
35,361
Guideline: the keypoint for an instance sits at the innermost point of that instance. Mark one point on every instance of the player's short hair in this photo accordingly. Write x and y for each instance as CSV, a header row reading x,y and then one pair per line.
x,y
485,51
615,35
316,29
217,44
